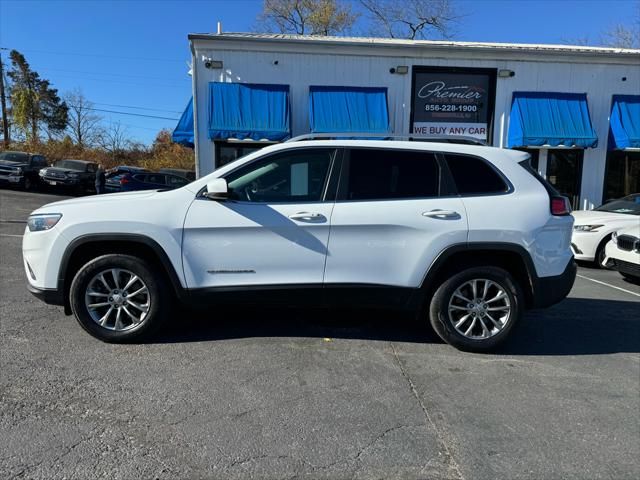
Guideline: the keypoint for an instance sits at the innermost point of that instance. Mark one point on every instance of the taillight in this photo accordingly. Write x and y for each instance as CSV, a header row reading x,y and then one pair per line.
x,y
560,206
125,179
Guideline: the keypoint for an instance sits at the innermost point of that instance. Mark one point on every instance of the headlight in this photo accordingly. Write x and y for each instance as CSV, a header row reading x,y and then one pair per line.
x,y
17,171
42,172
614,237
73,175
43,221
587,228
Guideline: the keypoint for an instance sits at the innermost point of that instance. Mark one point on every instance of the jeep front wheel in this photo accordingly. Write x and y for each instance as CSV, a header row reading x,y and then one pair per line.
x,y
118,298
476,309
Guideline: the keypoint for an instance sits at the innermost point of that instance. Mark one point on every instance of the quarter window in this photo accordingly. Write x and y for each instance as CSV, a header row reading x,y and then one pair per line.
x,y
474,176
290,177
380,174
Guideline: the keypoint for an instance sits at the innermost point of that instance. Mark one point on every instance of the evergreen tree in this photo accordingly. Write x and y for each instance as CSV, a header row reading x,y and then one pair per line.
x,y
35,104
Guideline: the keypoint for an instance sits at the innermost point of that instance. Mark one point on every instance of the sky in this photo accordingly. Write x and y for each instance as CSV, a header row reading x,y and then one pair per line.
x,y
131,55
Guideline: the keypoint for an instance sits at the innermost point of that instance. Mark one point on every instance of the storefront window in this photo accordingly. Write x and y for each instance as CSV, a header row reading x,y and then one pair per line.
x,y
564,172
622,175
535,156
227,152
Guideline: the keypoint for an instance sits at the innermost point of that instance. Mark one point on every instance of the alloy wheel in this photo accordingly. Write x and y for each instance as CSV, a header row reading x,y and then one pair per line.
x,y
117,299
479,309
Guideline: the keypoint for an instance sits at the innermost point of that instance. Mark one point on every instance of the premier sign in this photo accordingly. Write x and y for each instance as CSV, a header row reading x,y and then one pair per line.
x,y
453,101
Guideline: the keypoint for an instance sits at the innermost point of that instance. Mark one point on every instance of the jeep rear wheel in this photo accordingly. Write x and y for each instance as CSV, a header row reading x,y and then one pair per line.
x,y
476,309
118,298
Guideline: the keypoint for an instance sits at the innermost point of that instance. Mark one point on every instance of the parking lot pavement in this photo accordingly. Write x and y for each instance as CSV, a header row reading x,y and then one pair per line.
x,y
275,394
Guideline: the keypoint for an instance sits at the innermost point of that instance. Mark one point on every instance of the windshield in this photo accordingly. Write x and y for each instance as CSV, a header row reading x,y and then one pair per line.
x,y
629,205
14,157
71,165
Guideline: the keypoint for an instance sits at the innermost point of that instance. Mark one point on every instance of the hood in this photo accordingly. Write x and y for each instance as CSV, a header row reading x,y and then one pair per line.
x,y
586,217
633,231
100,201
9,163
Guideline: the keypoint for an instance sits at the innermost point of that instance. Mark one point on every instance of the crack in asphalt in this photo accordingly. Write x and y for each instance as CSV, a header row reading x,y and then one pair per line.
x,y
441,436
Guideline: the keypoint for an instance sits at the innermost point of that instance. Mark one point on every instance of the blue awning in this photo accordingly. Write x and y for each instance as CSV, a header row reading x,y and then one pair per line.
x,y
624,124
249,111
549,118
183,133
348,109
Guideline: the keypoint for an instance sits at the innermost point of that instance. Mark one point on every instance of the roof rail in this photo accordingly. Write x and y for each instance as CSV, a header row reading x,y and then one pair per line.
x,y
384,136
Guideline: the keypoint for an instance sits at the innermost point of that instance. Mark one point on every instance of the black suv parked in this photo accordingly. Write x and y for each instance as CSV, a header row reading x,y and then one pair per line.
x,y
79,175
21,168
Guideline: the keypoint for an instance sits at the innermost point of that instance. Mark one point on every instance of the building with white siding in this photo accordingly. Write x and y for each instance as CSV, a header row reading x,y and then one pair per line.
x,y
576,109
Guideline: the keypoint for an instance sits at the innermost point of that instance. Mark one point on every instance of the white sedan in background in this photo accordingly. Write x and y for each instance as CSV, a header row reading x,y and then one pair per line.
x,y
593,228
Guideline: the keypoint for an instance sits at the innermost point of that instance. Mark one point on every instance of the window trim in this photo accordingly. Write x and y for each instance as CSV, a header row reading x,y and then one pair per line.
x,y
510,188
327,187
343,184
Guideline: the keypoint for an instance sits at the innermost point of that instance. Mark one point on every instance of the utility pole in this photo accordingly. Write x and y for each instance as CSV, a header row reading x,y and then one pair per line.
x,y
3,101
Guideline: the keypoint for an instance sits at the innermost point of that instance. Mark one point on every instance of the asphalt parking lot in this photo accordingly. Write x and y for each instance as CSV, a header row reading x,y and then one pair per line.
x,y
297,394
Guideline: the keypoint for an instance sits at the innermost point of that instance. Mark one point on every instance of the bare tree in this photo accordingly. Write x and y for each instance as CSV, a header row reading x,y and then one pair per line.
x,y
115,140
306,17
622,36
412,19
84,124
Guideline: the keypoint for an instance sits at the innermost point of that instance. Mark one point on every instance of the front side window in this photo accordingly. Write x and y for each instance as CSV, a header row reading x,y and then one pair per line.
x,y
381,174
297,176
474,176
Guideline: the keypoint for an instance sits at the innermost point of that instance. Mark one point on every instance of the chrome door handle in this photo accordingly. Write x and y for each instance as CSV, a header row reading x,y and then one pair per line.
x,y
437,213
308,217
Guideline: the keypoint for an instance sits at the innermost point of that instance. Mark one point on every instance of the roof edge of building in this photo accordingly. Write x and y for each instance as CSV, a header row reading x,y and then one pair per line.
x,y
420,44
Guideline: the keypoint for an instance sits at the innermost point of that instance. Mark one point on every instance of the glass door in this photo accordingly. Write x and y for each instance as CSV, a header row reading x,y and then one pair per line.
x,y
564,172
623,174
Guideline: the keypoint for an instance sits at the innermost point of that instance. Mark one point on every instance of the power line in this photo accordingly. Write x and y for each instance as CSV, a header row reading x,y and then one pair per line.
x,y
104,73
96,55
132,114
165,85
136,108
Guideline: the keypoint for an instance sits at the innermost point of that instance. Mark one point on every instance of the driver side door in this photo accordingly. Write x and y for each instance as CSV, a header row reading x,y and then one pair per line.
x,y
273,229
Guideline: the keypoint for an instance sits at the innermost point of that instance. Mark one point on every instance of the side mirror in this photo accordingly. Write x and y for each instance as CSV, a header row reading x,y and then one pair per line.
x,y
217,189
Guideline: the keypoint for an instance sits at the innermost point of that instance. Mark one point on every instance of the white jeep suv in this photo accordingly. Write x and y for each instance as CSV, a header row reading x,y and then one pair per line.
x,y
467,236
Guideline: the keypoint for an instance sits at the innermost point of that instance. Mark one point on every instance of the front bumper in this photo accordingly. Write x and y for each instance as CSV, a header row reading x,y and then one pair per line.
x,y
624,261
11,178
49,296
548,291
68,182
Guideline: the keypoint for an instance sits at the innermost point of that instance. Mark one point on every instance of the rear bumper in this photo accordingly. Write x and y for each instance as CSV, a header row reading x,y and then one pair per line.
x,y
548,291
49,296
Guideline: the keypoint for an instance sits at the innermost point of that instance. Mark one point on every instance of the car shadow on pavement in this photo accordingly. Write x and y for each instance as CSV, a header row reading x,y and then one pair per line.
x,y
576,326
248,322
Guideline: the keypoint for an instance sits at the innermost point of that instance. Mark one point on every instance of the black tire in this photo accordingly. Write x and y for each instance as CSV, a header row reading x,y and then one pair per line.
x,y
598,261
443,324
157,292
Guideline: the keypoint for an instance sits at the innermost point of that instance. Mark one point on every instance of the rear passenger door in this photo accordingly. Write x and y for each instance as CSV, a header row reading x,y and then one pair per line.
x,y
392,218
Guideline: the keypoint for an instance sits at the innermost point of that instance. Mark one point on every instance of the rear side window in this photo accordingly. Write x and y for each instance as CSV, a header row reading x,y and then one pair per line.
x,y
379,174
474,176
